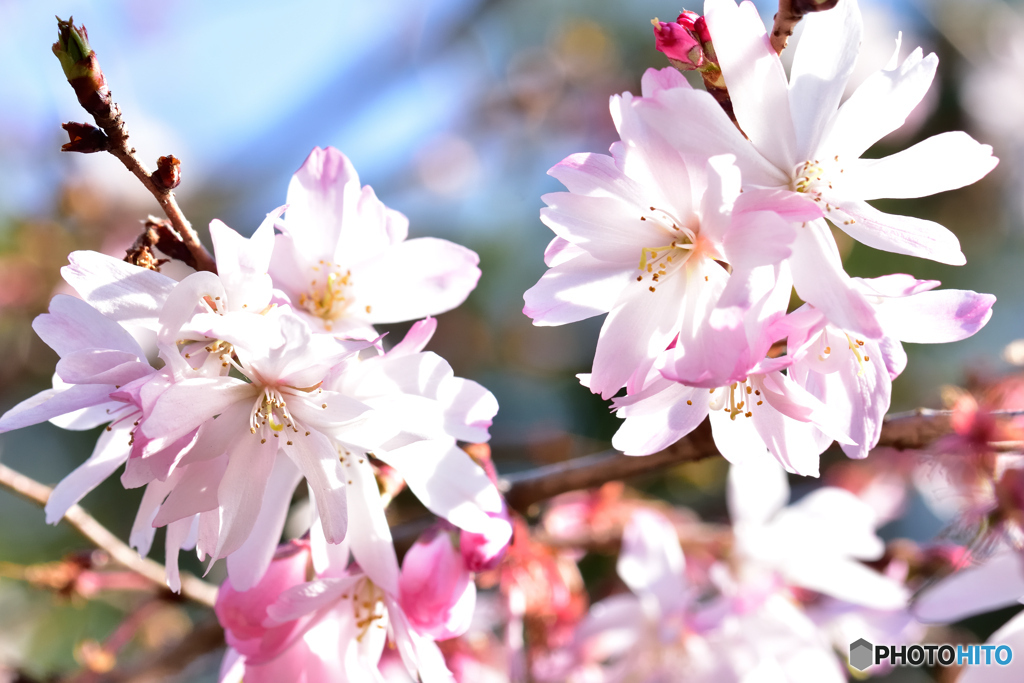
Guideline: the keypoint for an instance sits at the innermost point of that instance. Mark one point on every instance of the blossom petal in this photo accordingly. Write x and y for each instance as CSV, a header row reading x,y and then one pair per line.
x,y
942,162
110,452
880,105
755,78
822,65
651,562
597,175
121,291
847,580
447,482
240,493
369,536
317,459
936,317
578,289
636,331
414,279
141,537
195,492
656,80
186,405
247,565
895,233
820,280
73,325
51,403
756,491
661,420
608,228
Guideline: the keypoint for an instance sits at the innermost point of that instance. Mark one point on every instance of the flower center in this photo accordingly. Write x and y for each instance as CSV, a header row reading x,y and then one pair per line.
x,y
330,296
367,607
270,412
658,262
740,399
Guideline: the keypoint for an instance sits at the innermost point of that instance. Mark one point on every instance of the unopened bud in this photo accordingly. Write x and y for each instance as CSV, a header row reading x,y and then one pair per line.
x,y
678,44
687,43
80,66
84,137
168,173
806,6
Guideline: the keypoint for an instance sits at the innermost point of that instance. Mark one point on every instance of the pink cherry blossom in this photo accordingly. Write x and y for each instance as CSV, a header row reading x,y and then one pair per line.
x,y
345,263
799,139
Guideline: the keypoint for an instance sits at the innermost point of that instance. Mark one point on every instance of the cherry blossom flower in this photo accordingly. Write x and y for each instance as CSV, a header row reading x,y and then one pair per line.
x,y
997,582
333,627
817,543
436,590
854,376
345,263
643,234
799,139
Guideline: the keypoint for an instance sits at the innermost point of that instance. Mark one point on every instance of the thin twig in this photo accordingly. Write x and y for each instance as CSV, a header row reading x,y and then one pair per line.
x,y
915,429
84,74
192,588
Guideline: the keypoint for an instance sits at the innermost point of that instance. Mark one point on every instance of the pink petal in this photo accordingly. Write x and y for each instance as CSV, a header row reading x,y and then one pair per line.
x,y
414,279
936,317
661,420
895,233
651,562
757,490
102,366
51,403
186,405
597,175
608,228
73,325
656,80
194,492
416,339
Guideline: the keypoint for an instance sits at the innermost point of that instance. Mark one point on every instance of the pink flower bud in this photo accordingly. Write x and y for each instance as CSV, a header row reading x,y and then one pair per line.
x,y
436,590
484,551
678,43
242,614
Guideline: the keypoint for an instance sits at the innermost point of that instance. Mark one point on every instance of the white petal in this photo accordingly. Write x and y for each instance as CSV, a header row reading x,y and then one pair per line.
x,y
240,493
895,233
118,290
247,565
317,459
651,562
942,162
822,64
369,536
578,289
755,79
757,489
880,105
73,325
110,452
447,482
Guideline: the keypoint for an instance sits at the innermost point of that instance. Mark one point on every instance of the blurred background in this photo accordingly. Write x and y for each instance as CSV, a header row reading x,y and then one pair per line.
x,y
453,110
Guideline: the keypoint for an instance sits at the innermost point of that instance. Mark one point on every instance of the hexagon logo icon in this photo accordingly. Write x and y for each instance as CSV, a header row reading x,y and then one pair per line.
x,y
861,654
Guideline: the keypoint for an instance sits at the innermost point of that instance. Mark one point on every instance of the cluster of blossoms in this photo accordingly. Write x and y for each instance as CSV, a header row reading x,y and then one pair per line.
x,y
694,233
269,373
692,236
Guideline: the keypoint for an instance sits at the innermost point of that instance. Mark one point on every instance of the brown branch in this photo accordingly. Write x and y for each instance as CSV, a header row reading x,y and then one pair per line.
x,y
192,588
789,15
84,74
914,429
